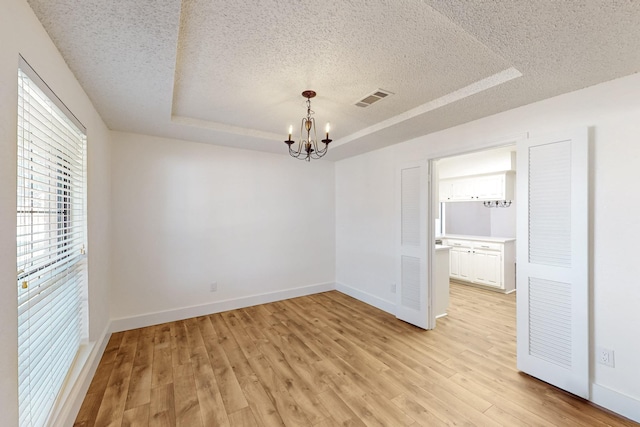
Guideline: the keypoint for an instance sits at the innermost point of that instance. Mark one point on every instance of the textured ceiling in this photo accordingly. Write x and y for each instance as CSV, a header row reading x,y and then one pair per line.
x,y
231,73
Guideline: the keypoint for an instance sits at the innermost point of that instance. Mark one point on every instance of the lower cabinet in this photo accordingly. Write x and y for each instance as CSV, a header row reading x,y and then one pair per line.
x,y
486,263
487,267
459,261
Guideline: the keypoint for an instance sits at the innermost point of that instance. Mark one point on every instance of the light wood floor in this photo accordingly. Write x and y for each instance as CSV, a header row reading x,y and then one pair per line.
x,y
327,360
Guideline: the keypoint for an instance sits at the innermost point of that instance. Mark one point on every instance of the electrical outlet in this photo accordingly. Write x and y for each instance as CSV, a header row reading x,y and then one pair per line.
x,y
214,286
605,357
393,288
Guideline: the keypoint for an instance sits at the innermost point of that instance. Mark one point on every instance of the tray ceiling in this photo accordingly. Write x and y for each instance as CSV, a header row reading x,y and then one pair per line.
x,y
231,73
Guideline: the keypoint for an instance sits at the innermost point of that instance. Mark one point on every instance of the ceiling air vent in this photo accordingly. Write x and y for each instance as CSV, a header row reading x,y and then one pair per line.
x,y
373,98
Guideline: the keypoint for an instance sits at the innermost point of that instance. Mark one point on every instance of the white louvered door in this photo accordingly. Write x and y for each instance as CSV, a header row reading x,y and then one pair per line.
x,y
412,292
553,260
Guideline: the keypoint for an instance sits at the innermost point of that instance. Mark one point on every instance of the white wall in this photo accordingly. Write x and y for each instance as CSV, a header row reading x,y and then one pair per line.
x,y
21,33
187,214
365,227
365,221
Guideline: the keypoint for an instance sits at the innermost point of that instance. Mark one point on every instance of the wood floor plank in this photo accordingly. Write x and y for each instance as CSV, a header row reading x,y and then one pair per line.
x,y
228,383
140,383
339,410
194,337
89,409
112,348
244,417
236,326
263,409
209,397
187,405
301,392
181,354
162,406
290,411
162,337
329,360
113,402
136,417
416,411
162,369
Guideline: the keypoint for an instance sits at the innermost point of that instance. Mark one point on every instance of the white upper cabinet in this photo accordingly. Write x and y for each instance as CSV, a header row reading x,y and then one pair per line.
x,y
494,186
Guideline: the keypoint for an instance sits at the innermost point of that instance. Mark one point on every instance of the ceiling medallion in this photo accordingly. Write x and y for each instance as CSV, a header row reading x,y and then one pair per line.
x,y
307,149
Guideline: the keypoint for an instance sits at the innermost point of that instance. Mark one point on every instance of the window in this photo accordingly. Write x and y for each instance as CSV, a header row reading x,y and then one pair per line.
x,y
51,263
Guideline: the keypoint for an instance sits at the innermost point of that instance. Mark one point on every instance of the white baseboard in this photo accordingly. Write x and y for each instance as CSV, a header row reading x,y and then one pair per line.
x,y
615,401
149,319
382,304
80,379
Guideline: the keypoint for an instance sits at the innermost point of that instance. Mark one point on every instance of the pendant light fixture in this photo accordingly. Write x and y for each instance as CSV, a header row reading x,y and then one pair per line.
x,y
307,149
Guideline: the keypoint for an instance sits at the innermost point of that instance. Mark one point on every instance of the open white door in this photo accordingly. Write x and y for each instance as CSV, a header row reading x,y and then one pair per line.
x,y
553,260
413,292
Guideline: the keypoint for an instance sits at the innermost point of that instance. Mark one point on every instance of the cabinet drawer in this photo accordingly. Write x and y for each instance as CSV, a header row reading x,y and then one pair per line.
x,y
458,243
487,245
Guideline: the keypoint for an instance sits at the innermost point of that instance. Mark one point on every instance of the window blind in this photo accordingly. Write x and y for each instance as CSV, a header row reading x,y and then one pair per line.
x,y
51,263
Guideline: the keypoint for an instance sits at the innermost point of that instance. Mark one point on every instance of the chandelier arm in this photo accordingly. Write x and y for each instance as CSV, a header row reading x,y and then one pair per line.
x,y
324,150
321,152
295,154
299,153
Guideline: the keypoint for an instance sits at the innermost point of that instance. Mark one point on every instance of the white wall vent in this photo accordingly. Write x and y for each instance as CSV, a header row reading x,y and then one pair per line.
x,y
373,98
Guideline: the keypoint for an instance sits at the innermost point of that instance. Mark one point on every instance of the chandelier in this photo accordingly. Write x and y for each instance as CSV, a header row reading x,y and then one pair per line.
x,y
497,203
307,149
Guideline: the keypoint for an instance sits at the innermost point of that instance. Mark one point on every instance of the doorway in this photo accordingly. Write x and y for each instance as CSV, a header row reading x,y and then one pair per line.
x,y
475,223
553,246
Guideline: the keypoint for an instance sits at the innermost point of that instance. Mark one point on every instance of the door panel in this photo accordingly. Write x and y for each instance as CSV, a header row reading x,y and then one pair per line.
x,y
553,260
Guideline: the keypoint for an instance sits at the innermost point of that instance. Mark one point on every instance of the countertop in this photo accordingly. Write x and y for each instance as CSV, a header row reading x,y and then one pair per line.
x,y
442,247
478,238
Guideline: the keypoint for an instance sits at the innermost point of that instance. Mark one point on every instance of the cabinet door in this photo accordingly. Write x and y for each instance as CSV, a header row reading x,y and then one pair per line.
x,y
487,268
490,187
445,191
462,189
464,263
454,263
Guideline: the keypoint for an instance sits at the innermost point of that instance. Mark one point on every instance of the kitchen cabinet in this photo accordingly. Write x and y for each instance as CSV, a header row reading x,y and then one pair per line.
x,y
494,186
487,267
489,262
459,260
